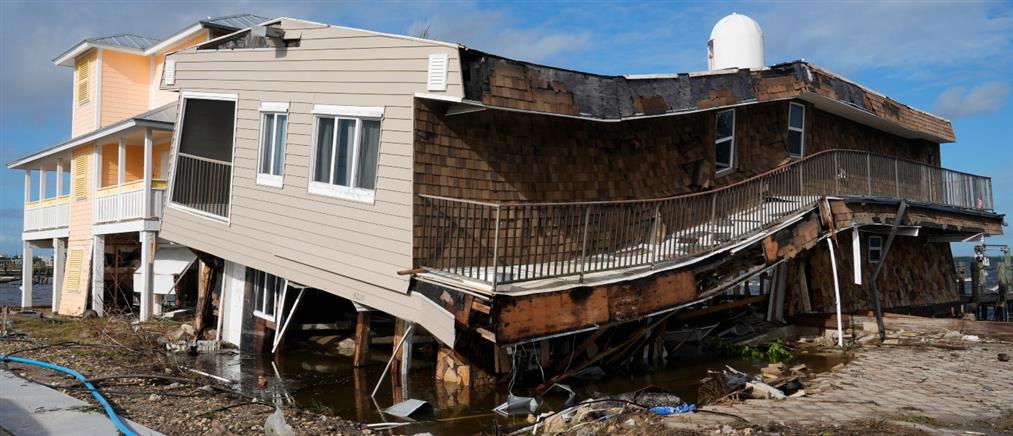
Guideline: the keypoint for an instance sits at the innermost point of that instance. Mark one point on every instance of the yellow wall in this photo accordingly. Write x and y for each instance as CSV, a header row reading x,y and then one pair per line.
x,y
125,80
134,168
110,164
160,97
84,115
73,299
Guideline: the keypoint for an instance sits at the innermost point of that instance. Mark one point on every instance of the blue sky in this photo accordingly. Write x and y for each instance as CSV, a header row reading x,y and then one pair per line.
x,y
953,59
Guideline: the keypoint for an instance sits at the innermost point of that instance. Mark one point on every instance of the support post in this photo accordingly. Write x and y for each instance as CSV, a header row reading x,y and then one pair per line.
x,y
362,340
42,184
27,267
98,274
837,293
856,255
59,257
879,267
146,196
147,274
121,162
59,178
28,186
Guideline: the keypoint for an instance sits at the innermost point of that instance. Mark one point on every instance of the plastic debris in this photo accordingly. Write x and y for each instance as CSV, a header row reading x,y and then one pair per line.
x,y
669,410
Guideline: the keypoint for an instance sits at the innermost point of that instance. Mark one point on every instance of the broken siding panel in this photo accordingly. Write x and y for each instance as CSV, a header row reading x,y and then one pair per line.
x,y
288,231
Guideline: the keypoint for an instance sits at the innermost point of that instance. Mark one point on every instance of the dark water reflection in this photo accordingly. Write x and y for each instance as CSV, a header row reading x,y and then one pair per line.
x,y
329,384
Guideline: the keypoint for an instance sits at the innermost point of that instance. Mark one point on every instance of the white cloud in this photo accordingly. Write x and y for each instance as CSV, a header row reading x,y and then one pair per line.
x,y
958,101
908,36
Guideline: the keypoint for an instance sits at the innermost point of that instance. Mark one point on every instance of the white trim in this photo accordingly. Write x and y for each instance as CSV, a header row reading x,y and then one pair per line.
x,y
96,135
800,130
440,97
208,96
151,83
135,225
270,180
62,232
172,40
199,213
98,89
349,111
87,45
343,192
274,106
372,32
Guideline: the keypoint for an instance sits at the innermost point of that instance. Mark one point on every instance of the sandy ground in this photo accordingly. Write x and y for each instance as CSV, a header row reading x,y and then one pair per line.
x,y
169,399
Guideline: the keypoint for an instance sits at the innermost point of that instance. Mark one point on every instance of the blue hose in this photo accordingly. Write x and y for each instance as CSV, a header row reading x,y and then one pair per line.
x,y
94,392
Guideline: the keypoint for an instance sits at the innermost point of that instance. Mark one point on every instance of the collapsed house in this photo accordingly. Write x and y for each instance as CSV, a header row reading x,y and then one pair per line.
x,y
495,203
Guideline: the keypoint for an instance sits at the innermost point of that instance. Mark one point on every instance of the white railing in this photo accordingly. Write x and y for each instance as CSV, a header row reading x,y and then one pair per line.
x,y
53,213
202,184
126,202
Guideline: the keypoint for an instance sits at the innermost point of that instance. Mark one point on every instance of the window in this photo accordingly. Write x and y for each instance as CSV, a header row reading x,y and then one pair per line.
x,y
724,140
266,289
875,249
345,152
82,70
796,129
202,178
271,168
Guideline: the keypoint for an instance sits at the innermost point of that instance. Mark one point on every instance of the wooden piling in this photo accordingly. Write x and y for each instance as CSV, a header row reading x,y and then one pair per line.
x,y
362,339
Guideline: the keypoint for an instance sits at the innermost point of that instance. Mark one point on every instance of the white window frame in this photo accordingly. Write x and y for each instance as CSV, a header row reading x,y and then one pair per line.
x,y
177,133
263,296
357,114
731,139
271,108
878,248
800,130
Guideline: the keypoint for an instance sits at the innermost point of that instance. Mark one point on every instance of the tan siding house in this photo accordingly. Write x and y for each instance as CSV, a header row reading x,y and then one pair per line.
x,y
353,248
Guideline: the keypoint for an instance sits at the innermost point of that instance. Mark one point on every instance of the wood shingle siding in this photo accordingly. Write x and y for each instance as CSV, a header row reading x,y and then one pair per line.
x,y
352,249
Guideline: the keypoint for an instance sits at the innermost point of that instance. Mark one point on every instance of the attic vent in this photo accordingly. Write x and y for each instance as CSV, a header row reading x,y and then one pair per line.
x,y
437,75
170,72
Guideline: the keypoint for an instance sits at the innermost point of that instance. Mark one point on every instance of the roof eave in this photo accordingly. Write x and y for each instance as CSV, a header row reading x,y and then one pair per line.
x,y
175,39
93,136
67,58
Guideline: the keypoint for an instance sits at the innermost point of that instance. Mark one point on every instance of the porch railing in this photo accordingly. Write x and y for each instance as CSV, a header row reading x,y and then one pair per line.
x,y
505,243
202,184
52,213
126,202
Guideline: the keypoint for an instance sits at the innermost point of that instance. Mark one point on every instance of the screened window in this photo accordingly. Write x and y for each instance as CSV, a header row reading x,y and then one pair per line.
x,y
266,290
796,129
724,140
875,249
345,156
271,165
202,176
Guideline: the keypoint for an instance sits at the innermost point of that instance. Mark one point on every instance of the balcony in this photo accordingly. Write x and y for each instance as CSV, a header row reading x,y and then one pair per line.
x,y
496,244
202,185
125,202
47,214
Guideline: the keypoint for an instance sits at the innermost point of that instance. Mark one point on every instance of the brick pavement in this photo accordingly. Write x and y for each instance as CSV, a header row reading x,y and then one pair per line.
x,y
890,382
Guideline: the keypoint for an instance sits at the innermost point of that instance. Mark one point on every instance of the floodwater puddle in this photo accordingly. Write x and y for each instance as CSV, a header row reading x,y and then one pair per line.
x,y
329,384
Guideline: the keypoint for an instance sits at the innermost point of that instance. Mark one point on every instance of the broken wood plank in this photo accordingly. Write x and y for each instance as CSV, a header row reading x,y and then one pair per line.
x,y
362,339
721,307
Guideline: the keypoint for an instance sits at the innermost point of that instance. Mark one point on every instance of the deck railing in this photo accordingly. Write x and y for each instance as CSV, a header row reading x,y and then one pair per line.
x,y
48,214
504,243
202,184
126,202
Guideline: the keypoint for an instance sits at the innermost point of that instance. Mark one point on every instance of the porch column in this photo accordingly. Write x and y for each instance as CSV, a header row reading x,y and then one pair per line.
x,y
59,178
146,197
121,166
59,257
98,274
147,285
28,186
42,183
27,267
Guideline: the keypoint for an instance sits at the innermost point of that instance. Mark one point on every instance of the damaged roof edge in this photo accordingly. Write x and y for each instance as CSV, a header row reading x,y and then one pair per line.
x,y
500,82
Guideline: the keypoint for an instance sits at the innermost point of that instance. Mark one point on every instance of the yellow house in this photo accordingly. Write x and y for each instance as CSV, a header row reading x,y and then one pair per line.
x,y
96,198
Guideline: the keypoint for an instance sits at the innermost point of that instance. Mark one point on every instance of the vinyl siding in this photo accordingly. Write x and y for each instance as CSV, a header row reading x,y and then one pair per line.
x,y
349,248
160,97
84,115
125,80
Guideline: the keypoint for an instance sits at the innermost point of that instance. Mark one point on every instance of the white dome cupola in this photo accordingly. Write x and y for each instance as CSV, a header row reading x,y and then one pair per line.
x,y
736,42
